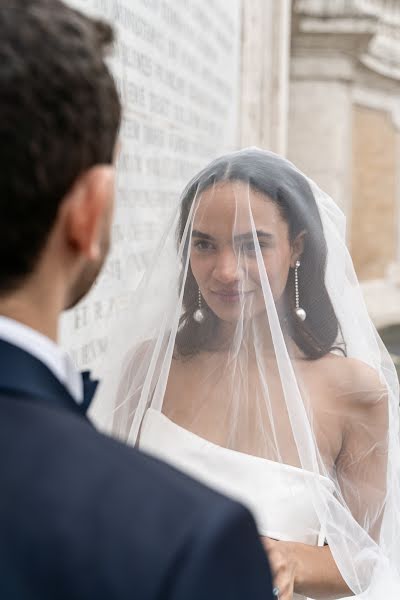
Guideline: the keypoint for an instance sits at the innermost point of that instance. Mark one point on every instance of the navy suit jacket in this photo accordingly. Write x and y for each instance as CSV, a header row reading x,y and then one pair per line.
x,y
84,516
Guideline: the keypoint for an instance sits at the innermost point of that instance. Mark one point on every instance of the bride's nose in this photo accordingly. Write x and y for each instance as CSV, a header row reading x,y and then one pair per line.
x,y
227,268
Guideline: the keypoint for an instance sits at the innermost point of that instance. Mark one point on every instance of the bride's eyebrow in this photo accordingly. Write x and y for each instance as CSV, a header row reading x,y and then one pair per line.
x,y
259,234
200,234
242,236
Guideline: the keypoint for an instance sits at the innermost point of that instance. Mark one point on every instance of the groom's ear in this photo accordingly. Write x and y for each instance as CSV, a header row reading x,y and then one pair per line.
x,y
88,209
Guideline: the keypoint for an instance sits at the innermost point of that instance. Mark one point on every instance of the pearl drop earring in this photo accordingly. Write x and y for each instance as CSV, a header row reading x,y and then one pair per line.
x,y
300,312
199,314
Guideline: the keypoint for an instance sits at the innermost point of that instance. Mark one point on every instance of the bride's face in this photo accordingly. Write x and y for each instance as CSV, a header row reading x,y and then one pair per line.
x,y
223,254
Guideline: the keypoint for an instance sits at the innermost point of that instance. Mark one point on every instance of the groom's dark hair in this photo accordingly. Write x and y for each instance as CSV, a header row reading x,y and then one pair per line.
x,y
59,116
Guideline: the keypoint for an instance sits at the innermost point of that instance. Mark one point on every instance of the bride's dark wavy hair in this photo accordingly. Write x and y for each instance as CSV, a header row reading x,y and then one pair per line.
x,y
276,178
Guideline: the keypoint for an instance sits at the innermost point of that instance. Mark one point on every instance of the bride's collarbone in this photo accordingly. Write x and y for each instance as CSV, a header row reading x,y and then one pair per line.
x,y
193,395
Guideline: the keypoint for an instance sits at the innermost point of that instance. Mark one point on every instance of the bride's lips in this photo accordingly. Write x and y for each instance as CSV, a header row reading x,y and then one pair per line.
x,y
230,296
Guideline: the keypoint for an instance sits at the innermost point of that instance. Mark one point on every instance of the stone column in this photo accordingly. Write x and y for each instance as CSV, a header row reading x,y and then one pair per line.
x,y
319,140
327,39
265,71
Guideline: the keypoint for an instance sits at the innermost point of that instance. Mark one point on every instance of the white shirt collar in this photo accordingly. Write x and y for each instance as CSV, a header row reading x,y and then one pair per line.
x,y
45,350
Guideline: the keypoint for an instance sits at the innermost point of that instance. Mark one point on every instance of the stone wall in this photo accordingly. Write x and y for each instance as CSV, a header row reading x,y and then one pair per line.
x,y
374,204
265,74
344,126
177,66
319,136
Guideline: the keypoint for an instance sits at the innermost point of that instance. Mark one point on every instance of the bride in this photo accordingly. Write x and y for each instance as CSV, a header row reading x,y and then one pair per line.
x,y
254,367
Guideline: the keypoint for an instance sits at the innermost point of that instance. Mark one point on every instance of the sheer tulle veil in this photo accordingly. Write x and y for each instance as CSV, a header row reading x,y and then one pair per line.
x,y
249,329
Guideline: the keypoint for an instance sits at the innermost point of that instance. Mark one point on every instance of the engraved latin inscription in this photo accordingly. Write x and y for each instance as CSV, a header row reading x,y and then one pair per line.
x,y
176,66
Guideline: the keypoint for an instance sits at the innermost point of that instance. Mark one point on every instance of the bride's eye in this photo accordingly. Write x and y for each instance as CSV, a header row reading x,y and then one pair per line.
x,y
203,246
248,247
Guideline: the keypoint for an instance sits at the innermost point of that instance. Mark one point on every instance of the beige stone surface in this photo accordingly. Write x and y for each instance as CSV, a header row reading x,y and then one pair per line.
x,y
265,74
374,213
320,133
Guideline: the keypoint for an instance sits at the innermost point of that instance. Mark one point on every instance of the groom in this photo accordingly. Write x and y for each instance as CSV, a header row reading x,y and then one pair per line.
x,y
81,515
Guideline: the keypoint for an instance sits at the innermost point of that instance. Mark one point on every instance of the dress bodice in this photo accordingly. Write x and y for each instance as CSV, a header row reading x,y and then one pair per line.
x,y
278,495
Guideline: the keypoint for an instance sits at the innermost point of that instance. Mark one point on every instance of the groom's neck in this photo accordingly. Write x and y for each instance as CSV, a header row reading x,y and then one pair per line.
x,y
35,303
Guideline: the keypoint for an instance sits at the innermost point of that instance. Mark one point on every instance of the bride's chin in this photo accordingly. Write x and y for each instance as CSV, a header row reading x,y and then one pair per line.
x,y
235,317
231,315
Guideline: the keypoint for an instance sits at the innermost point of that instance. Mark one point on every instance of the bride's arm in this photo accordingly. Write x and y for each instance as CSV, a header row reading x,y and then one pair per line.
x,y
361,469
304,569
362,463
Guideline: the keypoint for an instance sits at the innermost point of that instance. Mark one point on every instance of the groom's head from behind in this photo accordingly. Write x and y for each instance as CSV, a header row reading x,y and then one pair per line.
x,y
60,115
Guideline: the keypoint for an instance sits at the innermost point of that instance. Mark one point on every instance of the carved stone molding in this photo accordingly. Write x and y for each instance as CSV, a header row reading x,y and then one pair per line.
x,y
368,29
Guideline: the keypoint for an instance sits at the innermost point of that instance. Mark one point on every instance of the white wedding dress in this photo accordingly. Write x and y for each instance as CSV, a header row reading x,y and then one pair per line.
x,y
278,495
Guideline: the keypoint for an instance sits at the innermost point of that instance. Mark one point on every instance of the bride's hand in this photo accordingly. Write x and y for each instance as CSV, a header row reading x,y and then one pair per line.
x,y
283,565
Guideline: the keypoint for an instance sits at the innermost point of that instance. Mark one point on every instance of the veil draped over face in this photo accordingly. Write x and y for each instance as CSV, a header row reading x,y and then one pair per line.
x,y
250,340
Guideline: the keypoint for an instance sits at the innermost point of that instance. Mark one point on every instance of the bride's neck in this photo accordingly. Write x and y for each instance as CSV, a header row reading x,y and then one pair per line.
x,y
253,335
256,331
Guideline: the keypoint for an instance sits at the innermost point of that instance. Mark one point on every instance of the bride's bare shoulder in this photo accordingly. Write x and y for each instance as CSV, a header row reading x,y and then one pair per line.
x,y
354,379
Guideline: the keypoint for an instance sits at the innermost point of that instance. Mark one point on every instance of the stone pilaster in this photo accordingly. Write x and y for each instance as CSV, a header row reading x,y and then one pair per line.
x,y
265,73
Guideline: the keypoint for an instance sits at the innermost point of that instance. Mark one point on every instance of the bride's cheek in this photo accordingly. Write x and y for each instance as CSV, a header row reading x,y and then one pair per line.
x,y
198,268
277,285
